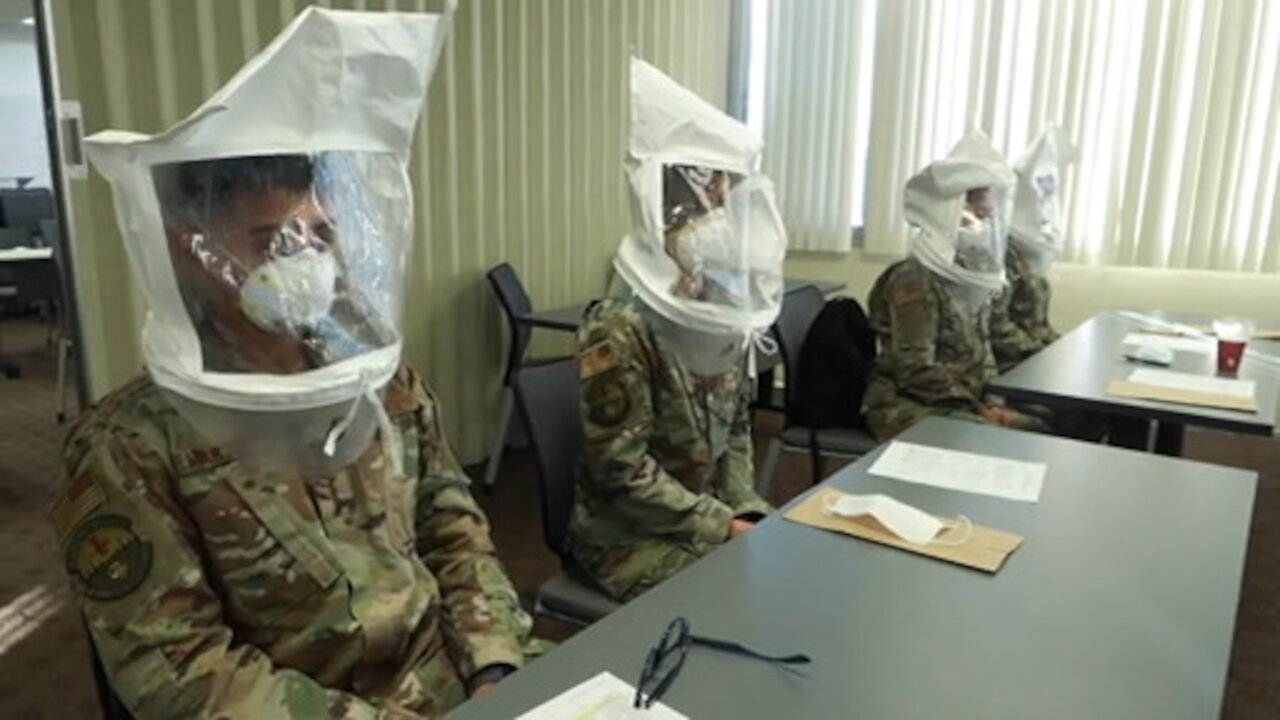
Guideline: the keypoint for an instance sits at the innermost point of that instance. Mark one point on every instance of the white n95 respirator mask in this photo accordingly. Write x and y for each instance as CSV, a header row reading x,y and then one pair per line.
x,y
909,523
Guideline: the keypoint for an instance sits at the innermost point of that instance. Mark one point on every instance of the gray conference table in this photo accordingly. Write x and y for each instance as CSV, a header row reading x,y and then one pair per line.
x,y
1120,604
1073,373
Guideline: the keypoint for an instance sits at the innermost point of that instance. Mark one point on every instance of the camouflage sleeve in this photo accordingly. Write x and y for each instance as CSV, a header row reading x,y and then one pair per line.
x,y
618,425
155,620
483,622
1034,304
735,482
914,331
1009,341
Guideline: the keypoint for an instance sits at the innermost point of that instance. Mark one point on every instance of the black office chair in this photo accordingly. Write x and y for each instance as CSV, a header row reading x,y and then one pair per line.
x,y
15,237
10,280
515,303
549,404
799,309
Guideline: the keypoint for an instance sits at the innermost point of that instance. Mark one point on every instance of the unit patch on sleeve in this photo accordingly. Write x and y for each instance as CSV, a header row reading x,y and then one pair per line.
x,y
596,359
107,557
608,403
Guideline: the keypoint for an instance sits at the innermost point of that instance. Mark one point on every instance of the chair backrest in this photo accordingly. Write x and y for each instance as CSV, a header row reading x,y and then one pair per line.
x,y
515,303
800,308
548,396
836,360
26,208
39,281
49,232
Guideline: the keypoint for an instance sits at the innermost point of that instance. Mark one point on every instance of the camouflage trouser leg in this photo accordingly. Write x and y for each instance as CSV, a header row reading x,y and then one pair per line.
x,y
626,571
887,419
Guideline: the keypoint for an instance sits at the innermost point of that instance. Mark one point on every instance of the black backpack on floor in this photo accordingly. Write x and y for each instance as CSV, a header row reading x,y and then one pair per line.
x,y
835,360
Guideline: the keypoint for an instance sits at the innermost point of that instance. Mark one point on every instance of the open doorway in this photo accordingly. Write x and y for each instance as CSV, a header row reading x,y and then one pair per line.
x,y
39,375
42,637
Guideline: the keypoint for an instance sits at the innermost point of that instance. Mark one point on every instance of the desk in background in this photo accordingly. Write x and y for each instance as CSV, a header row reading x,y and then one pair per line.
x,y
1120,604
1073,373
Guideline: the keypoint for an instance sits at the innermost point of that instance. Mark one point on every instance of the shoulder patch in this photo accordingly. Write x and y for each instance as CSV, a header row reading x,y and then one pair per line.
x,y
107,558
597,359
608,402
81,497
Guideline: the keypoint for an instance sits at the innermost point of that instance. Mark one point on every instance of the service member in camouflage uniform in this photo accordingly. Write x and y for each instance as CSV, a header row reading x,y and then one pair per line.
x,y
1020,317
214,588
932,310
666,475
272,524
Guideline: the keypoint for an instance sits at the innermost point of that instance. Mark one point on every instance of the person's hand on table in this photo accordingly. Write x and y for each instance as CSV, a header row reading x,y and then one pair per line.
x,y
998,414
737,526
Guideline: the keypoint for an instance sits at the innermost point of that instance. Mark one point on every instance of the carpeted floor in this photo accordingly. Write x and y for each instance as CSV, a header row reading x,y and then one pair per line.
x,y
44,670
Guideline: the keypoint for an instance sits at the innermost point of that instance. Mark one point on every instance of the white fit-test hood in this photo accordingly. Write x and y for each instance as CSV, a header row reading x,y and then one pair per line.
x,y
670,127
1037,207
332,81
934,200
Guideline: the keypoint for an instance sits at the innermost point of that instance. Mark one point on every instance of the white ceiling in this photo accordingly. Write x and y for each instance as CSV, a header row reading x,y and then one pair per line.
x,y
14,11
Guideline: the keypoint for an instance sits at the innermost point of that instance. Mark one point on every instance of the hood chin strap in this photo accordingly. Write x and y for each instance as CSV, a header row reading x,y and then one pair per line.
x,y
758,341
391,444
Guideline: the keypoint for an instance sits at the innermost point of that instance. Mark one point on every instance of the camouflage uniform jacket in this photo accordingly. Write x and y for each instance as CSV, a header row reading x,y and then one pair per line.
x,y
212,589
1020,315
935,356
667,454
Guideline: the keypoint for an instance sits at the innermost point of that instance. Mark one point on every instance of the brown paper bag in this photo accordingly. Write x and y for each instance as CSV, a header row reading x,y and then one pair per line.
x,y
986,549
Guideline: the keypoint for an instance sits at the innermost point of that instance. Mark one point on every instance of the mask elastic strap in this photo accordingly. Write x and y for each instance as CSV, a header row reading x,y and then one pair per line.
x,y
968,532
829,504
340,428
392,447
758,341
390,440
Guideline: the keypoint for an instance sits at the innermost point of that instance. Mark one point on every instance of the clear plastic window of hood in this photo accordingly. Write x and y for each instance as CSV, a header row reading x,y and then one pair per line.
x,y
709,217
287,263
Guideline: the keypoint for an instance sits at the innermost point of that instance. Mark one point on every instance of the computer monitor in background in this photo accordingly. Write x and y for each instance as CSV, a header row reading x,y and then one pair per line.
x,y
25,208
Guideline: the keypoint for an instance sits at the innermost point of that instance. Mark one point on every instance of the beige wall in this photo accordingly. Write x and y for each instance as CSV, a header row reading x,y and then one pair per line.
x,y
517,156
1080,291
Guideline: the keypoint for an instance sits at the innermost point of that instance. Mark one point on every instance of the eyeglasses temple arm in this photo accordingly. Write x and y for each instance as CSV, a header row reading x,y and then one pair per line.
x,y
739,649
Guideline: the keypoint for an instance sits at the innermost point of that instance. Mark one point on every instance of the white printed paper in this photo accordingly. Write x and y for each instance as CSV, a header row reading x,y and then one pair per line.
x,y
1196,383
25,253
603,697
1171,342
963,471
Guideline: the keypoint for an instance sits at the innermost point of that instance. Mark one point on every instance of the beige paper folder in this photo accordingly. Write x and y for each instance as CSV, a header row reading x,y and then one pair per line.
x,y
1125,388
986,549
